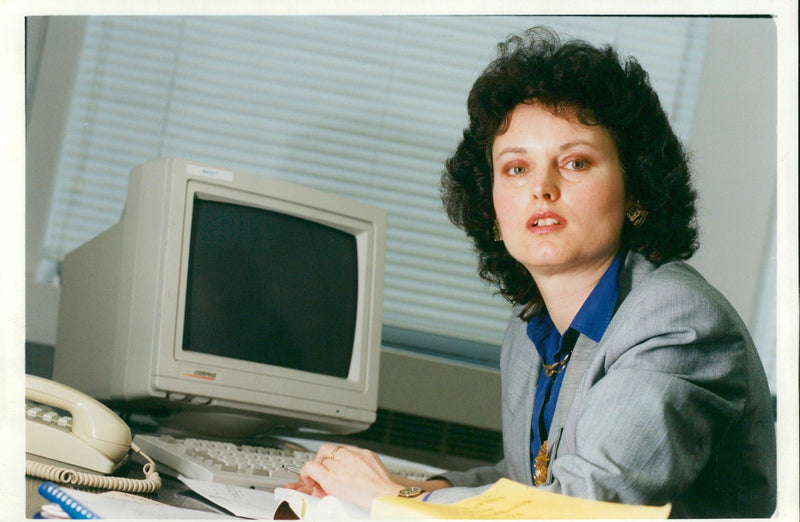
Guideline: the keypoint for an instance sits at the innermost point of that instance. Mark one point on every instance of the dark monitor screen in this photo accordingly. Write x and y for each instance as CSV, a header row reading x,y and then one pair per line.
x,y
270,288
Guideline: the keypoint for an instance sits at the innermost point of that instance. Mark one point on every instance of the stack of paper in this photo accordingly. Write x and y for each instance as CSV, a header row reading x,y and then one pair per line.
x,y
508,500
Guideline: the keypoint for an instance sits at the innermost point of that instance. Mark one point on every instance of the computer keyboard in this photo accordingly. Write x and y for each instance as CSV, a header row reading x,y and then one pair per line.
x,y
236,464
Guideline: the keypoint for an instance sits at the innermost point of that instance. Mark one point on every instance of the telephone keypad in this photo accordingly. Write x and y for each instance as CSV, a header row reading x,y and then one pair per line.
x,y
48,415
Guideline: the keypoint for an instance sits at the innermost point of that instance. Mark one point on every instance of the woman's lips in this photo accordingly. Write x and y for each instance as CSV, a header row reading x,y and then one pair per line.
x,y
545,222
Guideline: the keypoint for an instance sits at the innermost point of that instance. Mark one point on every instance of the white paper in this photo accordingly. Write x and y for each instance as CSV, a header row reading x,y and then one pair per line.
x,y
109,506
53,511
242,502
327,508
254,503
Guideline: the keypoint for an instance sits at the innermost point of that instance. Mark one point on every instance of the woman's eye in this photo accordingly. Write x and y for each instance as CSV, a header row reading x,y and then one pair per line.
x,y
578,164
516,170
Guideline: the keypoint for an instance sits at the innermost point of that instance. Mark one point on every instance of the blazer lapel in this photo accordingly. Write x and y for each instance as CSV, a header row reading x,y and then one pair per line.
x,y
519,379
582,353
523,427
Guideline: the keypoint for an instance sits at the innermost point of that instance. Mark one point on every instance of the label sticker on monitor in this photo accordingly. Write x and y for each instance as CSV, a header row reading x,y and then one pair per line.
x,y
199,373
208,172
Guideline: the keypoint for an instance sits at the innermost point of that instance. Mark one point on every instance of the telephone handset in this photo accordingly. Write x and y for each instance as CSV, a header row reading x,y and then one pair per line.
x,y
88,435
65,427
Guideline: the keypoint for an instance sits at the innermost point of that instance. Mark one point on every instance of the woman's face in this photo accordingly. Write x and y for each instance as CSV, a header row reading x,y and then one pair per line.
x,y
559,192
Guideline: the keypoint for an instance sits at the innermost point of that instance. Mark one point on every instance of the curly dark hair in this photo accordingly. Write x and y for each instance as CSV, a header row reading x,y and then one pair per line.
x,y
572,77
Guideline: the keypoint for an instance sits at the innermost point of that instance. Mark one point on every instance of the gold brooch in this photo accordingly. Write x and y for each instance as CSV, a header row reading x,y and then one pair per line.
x,y
540,466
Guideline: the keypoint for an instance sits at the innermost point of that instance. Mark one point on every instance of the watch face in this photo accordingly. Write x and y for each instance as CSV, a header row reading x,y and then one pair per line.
x,y
410,492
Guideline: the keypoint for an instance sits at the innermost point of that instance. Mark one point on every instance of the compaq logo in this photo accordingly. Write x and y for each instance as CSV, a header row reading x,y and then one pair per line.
x,y
202,374
199,170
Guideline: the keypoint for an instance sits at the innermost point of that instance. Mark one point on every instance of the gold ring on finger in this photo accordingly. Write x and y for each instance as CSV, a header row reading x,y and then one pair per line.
x,y
333,451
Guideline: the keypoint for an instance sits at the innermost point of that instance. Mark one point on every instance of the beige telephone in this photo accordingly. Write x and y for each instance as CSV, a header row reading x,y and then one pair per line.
x,y
65,427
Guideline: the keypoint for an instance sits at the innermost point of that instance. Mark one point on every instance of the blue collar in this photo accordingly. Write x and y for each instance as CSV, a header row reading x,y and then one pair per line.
x,y
593,317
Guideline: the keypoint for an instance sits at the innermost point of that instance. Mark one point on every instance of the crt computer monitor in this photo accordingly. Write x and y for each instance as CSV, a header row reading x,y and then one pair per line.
x,y
228,304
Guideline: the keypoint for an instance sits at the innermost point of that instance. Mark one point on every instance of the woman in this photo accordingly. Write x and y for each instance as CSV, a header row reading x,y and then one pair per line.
x,y
626,377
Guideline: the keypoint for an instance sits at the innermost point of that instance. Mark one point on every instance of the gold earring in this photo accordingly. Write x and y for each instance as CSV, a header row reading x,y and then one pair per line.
x,y
498,237
636,214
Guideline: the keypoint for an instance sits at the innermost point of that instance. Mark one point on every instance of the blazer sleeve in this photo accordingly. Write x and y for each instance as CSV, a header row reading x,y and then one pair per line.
x,y
664,397
476,477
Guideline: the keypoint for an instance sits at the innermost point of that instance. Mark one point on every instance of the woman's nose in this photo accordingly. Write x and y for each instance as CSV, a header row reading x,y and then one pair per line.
x,y
545,184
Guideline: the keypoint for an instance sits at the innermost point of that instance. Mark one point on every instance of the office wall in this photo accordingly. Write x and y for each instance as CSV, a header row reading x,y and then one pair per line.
x,y
733,144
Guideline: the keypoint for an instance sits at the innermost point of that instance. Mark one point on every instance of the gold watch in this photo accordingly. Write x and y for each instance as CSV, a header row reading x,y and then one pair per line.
x,y
411,492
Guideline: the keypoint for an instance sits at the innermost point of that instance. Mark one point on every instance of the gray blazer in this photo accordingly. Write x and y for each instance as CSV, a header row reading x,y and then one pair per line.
x,y
672,404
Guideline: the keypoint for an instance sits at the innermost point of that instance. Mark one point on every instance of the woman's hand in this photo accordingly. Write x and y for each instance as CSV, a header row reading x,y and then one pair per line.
x,y
346,472
355,475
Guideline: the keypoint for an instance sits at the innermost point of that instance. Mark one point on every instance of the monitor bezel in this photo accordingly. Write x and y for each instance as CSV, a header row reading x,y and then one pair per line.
x,y
358,228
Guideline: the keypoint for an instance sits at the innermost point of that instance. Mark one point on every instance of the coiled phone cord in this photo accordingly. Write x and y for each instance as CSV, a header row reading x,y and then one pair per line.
x,y
150,484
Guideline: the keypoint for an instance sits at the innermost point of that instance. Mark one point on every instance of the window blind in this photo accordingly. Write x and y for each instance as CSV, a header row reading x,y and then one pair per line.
x,y
367,107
